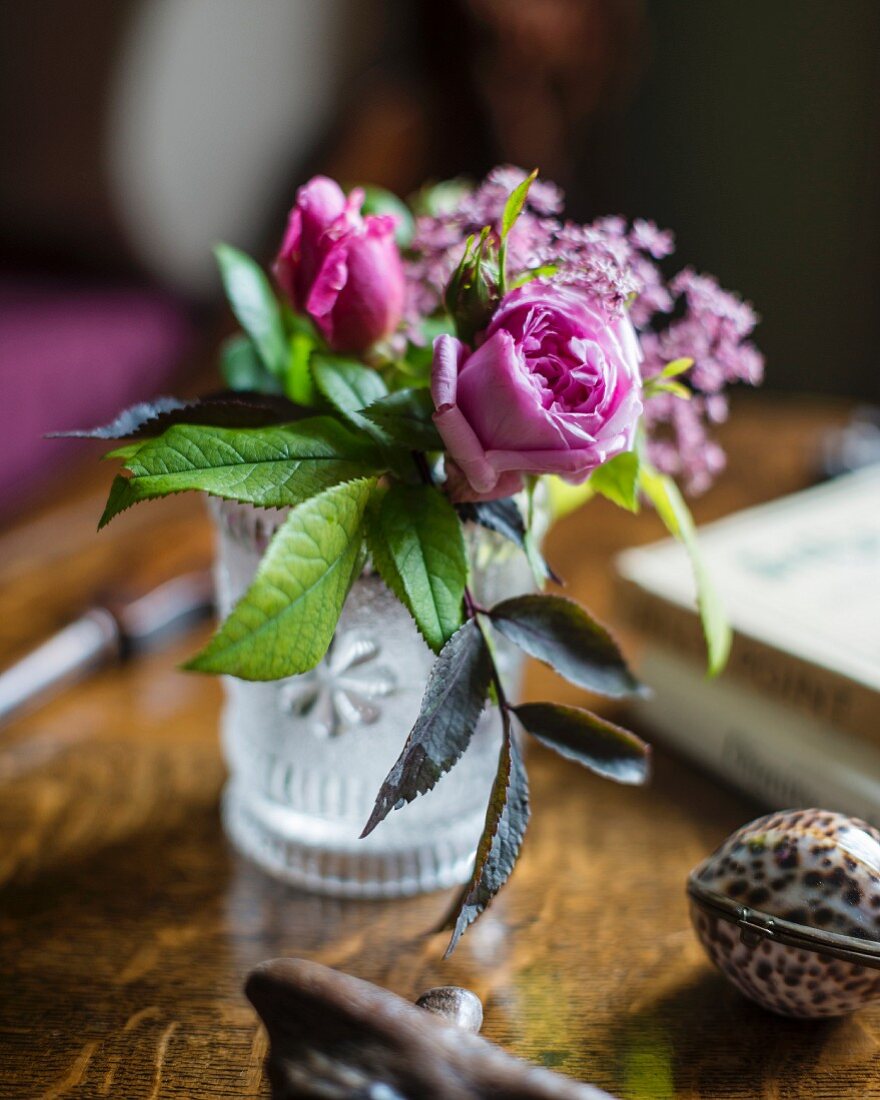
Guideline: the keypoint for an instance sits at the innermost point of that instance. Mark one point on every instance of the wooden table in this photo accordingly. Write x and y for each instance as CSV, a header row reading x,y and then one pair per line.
x,y
127,924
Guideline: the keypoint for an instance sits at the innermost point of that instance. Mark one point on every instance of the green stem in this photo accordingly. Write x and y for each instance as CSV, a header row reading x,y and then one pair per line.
x,y
500,693
502,268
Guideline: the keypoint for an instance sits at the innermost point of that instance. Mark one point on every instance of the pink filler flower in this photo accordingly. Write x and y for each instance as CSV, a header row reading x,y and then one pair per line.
x,y
341,268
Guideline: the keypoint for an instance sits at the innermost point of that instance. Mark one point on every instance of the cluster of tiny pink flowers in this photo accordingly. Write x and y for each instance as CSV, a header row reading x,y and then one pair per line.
x,y
616,264
589,256
713,330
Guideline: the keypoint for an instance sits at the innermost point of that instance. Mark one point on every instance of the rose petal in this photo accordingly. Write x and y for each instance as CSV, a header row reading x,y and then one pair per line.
x,y
370,304
562,461
462,443
501,401
320,202
284,268
330,280
460,490
449,354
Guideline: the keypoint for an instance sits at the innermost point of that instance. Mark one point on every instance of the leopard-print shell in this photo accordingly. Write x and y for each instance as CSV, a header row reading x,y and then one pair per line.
x,y
817,869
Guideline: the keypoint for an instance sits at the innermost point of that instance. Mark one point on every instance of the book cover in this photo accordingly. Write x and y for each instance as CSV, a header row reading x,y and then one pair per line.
x,y
800,578
756,744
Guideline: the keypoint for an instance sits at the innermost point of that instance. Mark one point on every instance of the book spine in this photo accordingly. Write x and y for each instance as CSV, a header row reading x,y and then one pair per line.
x,y
755,744
807,688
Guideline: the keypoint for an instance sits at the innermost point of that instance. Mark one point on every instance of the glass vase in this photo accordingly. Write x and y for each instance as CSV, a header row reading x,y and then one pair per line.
x,y
307,754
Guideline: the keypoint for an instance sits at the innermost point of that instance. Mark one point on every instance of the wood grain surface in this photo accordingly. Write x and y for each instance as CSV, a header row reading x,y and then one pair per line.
x,y
127,925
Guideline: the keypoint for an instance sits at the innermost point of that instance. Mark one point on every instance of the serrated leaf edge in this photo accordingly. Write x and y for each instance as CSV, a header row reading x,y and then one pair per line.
x,y
393,579
378,814
131,450
459,918
195,663
493,613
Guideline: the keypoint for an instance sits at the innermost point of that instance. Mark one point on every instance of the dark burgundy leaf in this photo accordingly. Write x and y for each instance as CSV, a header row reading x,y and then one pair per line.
x,y
504,518
584,737
229,409
563,635
451,707
507,818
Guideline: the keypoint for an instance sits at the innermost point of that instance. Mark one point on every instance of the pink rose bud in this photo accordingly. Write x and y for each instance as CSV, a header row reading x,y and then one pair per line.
x,y
341,268
554,388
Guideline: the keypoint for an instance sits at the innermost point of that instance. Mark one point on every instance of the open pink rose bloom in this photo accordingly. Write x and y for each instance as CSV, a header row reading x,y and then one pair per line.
x,y
553,388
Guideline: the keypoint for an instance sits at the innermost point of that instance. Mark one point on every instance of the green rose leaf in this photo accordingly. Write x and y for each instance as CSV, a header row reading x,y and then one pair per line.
x,y
450,710
516,200
618,480
664,382
378,200
242,368
541,569
672,510
584,737
285,621
272,466
542,272
507,818
298,382
416,543
674,388
349,386
254,305
676,367
563,635
406,416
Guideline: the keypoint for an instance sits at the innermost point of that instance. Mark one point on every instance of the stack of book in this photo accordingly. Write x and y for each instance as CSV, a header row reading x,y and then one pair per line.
x,y
795,718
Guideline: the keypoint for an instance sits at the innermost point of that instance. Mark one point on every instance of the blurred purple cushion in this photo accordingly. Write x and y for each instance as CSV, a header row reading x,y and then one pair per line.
x,y
71,357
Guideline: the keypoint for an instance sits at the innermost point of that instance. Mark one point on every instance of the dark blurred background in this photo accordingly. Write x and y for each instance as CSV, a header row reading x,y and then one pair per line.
x,y
136,133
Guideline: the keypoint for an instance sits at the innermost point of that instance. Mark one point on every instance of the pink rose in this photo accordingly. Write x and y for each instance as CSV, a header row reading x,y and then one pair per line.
x,y
341,268
553,388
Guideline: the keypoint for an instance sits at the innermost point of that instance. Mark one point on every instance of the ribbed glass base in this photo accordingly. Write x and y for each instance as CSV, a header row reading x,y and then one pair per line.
x,y
328,858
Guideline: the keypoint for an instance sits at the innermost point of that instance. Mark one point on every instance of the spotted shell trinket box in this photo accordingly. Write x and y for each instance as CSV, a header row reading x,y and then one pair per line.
x,y
788,908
